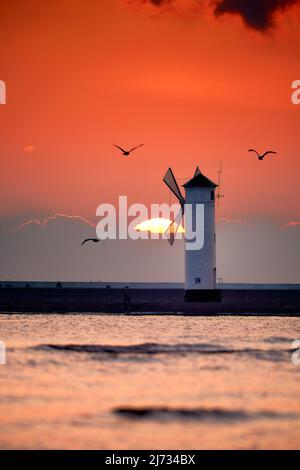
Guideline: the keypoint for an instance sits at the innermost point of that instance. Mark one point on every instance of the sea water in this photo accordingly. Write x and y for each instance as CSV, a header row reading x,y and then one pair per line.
x,y
149,381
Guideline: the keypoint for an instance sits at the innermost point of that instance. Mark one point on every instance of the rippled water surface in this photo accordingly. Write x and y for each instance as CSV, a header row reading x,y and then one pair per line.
x,y
129,382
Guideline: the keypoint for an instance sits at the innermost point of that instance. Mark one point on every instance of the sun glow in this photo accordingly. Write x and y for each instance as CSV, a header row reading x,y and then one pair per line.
x,y
158,225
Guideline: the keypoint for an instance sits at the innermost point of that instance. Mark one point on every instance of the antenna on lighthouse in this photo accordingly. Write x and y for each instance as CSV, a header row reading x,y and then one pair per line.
x,y
220,171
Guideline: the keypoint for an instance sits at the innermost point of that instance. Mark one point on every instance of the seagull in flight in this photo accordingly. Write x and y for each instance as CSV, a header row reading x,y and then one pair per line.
x,y
95,240
261,157
125,153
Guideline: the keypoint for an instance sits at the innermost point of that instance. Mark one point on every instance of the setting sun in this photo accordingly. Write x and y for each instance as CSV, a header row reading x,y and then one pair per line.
x,y
158,225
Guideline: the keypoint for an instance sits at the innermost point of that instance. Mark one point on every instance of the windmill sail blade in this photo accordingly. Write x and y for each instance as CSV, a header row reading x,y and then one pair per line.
x,y
171,182
174,226
171,239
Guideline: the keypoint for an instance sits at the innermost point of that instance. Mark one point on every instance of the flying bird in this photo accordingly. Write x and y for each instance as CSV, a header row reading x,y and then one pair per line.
x,y
95,240
125,153
261,157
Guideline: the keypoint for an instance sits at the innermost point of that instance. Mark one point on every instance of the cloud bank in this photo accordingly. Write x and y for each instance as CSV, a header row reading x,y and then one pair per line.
x,y
50,250
53,218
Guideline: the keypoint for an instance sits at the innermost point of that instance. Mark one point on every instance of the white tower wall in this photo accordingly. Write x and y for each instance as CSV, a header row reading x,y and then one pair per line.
x,y
200,265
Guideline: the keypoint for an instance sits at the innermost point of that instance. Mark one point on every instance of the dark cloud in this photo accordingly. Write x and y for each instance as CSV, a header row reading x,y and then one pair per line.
x,y
257,14
157,3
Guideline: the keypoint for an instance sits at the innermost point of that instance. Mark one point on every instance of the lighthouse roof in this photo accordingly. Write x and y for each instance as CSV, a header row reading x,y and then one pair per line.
x,y
200,181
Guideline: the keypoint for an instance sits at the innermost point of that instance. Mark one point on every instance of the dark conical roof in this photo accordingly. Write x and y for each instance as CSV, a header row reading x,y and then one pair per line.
x,y
200,181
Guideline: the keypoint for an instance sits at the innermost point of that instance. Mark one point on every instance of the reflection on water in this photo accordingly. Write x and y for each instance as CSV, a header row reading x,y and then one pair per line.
x,y
121,382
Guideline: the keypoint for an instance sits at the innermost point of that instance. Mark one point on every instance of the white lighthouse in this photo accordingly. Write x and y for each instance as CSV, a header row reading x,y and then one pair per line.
x,y
200,263
200,238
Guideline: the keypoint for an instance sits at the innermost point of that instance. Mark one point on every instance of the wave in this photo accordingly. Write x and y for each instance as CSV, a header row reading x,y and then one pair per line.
x,y
144,348
278,339
157,348
214,414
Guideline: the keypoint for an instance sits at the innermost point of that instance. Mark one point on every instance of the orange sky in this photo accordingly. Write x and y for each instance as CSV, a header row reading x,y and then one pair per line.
x,y
83,75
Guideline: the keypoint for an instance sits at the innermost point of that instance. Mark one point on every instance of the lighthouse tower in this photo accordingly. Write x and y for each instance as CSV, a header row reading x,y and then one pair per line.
x,y
200,262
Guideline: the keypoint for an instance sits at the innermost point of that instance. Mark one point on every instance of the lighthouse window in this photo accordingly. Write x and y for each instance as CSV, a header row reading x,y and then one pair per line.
x,y
197,280
212,196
